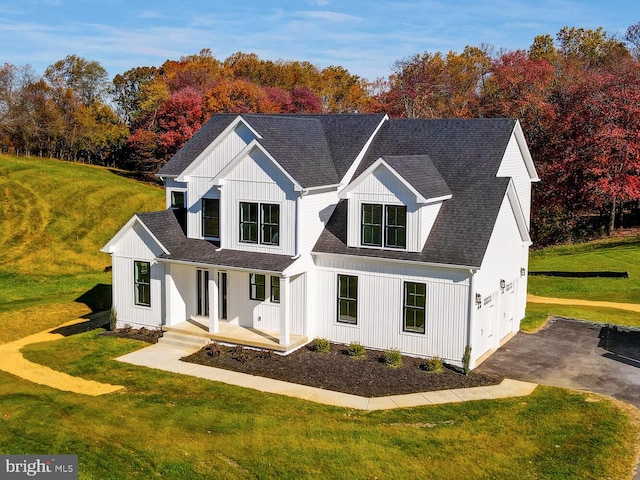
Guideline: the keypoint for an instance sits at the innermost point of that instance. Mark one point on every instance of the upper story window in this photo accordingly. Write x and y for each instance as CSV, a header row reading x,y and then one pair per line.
x,y
177,199
384,225
260,223
211,217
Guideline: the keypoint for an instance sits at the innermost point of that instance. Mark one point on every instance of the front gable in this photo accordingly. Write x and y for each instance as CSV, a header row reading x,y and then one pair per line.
x,y
135,240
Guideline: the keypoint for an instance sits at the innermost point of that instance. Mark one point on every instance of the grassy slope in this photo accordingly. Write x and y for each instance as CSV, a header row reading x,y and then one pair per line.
x,y
54,218
612,255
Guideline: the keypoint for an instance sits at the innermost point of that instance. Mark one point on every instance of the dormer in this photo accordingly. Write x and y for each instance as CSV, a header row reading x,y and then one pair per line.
x,y
394,203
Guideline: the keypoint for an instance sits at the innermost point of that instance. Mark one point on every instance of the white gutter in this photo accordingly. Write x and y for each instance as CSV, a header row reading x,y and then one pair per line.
x,y
395,260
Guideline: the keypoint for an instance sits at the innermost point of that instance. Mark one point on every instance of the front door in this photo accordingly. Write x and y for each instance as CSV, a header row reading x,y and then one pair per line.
x,y
202,307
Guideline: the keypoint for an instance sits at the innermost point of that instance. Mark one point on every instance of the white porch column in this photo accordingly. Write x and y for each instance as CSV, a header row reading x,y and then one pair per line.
x,y
285,327
214,314
168,291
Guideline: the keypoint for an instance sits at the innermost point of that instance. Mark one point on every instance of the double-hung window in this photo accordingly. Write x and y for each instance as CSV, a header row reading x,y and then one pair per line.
x,y
260,223
211,217
256,286
275,289
383,225
347,299
142,283
414,307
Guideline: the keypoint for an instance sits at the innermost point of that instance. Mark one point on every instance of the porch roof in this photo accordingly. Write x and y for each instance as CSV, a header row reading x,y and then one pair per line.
x,y
166,229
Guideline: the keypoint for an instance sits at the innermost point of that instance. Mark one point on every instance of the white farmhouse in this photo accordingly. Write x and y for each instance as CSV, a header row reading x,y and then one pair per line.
x,y
394,233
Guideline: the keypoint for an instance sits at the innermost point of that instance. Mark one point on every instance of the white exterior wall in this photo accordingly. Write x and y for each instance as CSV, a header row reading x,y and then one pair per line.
x,y
181,293
257,179
298,304
315,211
428,215
501,310
380,307
382,187
137,245
513,166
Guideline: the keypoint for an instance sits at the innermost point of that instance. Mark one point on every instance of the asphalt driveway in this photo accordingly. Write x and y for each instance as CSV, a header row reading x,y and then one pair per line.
x,y
574,354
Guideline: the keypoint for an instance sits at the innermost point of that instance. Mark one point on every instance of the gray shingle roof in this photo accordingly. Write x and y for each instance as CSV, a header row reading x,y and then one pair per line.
x,y
164,226
467,153
315,150
421,173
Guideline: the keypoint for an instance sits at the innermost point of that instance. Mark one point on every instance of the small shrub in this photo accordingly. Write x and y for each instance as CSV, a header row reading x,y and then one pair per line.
x,y
265,353
433,365
466,360
113,319
240,354
393,358
321,345
356,350
213,349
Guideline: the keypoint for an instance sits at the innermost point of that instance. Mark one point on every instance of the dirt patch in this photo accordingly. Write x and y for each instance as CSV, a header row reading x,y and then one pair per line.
x,y
142,334
335,370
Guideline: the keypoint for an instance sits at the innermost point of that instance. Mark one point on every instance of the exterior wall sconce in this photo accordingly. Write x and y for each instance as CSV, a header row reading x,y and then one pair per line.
x,y
478,299
523,272
503,283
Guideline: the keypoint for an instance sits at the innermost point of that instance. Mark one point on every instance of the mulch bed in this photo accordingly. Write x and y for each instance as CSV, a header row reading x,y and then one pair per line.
x,y
336,370
142,334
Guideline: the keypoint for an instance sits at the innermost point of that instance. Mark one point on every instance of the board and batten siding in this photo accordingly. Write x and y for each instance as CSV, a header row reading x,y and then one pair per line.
x,y
501,309
315,211
137,245
256,179
180,284
264,315
380,307
513,166
382,187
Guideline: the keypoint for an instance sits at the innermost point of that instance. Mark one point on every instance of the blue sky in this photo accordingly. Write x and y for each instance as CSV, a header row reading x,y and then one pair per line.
x,y
365,37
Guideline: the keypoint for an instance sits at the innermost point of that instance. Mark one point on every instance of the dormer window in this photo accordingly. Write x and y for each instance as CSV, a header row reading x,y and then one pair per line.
x,y
384,225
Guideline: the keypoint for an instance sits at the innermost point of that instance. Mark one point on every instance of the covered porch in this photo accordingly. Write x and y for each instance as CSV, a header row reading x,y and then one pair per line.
x,y
237,335
254,307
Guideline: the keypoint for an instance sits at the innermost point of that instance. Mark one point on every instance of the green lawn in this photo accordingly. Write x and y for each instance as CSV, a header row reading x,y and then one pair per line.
x,y
54,218
620,254
176,427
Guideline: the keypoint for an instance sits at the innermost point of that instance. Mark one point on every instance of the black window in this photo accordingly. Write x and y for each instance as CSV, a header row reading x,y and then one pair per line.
x,y
270,218
275,289
347,299
390,220
211,217
414,307
248,222
371,224
177,199
268,223
142,283
395,229
256,286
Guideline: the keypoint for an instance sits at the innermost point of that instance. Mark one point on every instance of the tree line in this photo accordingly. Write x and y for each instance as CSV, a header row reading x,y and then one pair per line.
x,y
577,96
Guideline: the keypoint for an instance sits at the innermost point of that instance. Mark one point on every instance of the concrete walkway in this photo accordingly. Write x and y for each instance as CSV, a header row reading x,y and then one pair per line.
x,y
167,357
14,363
632,307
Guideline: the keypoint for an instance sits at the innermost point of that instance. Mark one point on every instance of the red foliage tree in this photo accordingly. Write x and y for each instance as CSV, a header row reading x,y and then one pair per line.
x,y
178,119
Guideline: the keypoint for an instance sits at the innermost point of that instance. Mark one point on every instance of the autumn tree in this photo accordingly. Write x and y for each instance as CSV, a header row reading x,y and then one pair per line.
x,y
127,91
599,150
